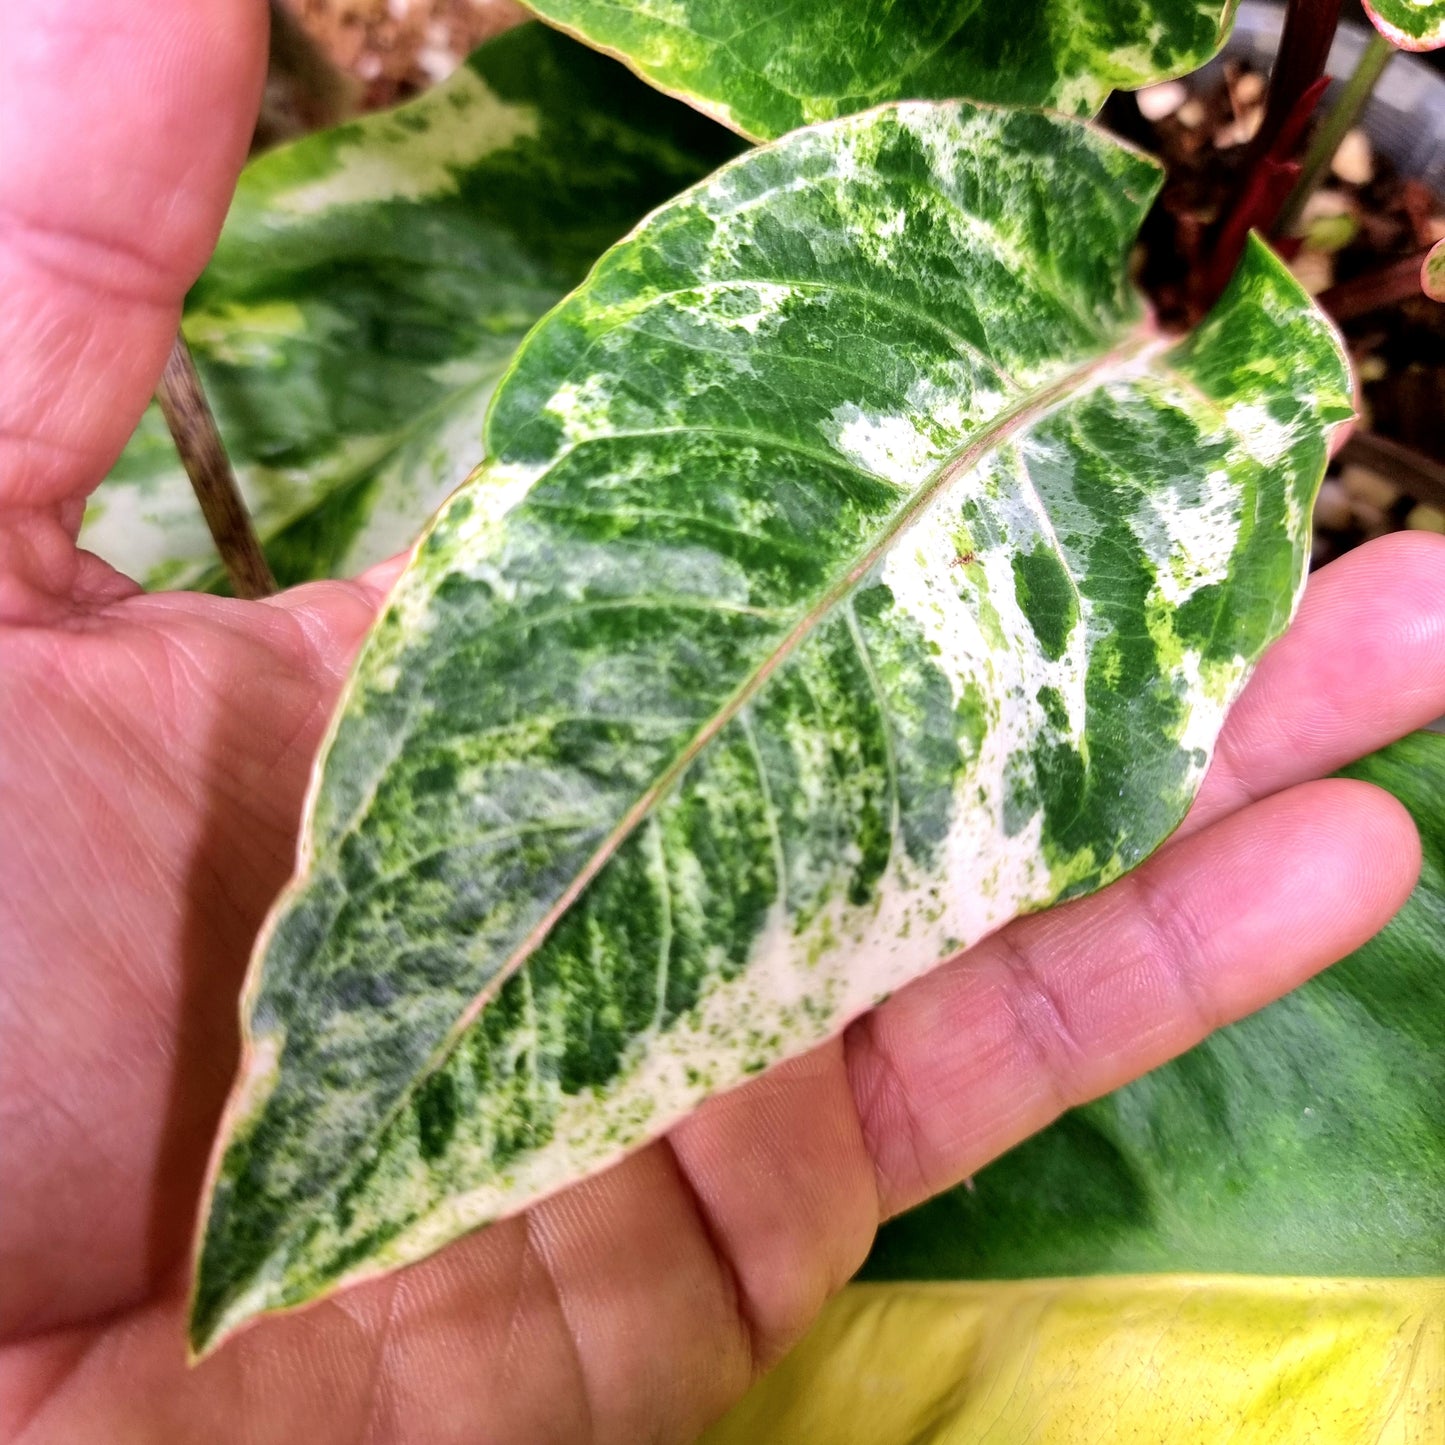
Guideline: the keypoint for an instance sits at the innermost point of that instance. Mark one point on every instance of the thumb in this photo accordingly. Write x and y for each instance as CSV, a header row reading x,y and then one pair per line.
x,y
126,125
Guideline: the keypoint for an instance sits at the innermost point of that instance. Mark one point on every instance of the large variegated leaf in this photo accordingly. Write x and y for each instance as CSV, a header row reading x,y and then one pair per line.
x,y
851,570
369,288
1304,1140
1410,24
765,69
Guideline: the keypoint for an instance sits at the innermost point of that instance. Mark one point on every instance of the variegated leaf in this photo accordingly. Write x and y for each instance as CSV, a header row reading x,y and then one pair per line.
x,y
369,288
852,570
1432,272
1409,24
765,68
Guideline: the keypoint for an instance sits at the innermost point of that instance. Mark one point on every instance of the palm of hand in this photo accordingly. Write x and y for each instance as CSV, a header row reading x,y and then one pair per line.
x,y
156,753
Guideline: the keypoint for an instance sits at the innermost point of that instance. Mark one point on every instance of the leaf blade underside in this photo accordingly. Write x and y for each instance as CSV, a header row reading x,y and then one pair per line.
x,y
844,537
368,290
767,72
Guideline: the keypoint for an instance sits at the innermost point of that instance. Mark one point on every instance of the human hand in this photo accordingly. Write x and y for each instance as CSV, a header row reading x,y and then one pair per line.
x,y
155,753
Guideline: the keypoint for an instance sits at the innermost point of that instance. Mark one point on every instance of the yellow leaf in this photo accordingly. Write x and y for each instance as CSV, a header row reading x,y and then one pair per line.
x,y
1149,1359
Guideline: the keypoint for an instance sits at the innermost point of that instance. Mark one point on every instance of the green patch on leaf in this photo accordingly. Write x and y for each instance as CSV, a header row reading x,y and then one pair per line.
x,y
1046,597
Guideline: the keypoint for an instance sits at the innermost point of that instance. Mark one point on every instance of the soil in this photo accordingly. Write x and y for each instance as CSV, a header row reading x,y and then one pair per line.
x,y
332,58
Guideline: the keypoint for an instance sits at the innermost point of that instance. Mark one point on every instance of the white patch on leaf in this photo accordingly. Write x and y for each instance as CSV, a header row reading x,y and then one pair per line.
x,y
1265,439
898,448
583,409
420,154
1189,544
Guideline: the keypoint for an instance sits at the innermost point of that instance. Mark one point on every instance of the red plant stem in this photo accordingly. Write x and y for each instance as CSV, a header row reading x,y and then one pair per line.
x,y
1266,185
1421,476
1269,173
1304,47
1395,282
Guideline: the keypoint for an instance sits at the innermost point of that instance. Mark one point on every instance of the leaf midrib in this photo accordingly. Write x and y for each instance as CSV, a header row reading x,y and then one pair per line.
x,y
1008,423
1005,425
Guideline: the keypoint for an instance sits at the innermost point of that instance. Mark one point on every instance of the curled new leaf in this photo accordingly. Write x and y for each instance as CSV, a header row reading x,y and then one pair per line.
x,y
764,68
851,569
369,288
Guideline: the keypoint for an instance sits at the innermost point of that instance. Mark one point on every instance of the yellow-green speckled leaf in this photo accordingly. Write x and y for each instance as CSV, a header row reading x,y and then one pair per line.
x,y
369,288
1162,1360
852,569
765,68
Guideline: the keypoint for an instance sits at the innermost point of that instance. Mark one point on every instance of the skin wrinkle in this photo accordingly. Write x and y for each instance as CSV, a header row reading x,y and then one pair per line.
x,y
881,1105
157,677
535,1248
1177,941
62,1369
684,1231
71,257
1038,1018
512,1351
68,355
370,1414
754,1335
175,674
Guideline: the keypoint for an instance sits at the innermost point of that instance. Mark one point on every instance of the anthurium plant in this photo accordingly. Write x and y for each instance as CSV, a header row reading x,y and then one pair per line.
x,y
843,567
